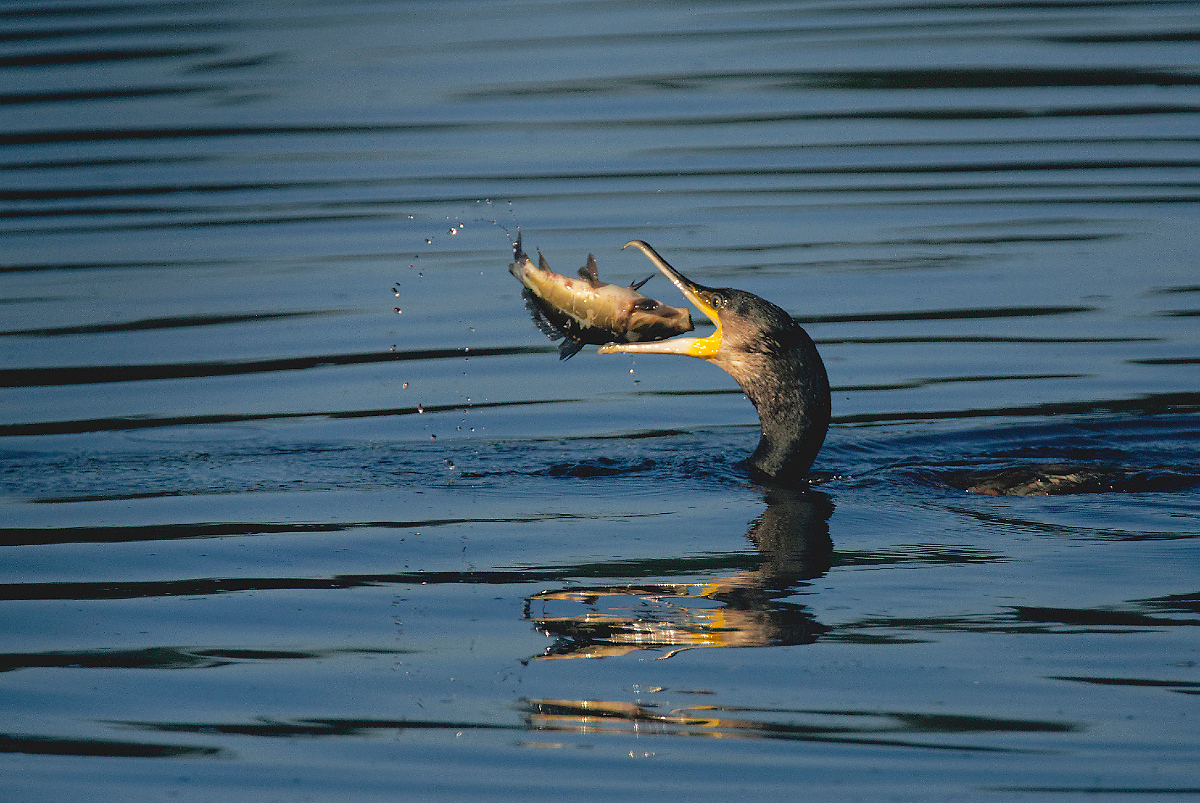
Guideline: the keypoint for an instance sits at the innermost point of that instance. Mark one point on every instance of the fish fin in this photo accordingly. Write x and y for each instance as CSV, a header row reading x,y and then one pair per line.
x,y
590,273
540,319
569,348
638,285
542,262
517,250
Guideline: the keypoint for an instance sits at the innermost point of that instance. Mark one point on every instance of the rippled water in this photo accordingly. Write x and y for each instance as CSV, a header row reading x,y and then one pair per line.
x,y
298,504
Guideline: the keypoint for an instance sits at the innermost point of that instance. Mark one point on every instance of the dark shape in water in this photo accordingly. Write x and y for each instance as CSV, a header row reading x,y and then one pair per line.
x,y
1056,479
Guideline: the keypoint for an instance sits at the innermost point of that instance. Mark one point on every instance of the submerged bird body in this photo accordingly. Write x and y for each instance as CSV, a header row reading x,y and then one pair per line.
x,y
587,310
770,356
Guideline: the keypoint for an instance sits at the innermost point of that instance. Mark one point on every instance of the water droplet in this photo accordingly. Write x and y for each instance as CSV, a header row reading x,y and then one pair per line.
x,y
398,310
433,437
450,464
405,385
393,347
420,410
429,241
452,232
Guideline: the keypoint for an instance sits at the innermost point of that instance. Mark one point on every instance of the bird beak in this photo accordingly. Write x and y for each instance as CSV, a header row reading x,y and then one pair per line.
x,y
703,347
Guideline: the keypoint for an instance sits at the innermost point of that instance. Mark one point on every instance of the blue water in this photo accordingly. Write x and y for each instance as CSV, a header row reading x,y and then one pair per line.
x,y
267,538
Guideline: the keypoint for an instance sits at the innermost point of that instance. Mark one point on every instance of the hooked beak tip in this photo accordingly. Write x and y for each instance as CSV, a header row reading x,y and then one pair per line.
x,y
705,348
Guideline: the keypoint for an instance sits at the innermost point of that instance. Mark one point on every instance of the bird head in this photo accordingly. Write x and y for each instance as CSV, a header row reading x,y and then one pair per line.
x,y
745,324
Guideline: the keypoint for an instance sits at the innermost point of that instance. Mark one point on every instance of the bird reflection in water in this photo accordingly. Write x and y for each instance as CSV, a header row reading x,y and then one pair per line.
x,y
747,609
853,726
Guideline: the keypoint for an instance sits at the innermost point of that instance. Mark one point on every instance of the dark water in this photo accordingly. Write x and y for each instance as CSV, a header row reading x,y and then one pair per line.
x,y
267,539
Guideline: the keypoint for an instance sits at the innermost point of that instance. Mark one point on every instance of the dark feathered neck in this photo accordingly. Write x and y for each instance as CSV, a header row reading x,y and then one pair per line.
x,y
784,377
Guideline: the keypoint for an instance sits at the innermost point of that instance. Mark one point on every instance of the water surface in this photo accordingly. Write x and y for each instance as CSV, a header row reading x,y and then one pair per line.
x,y
298,503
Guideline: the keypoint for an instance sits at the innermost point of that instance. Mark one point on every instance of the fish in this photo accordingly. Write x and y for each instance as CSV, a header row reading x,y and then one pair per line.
x,y
588,311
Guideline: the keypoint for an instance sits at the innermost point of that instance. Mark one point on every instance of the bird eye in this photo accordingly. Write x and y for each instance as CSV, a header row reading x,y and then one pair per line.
x,y
719,301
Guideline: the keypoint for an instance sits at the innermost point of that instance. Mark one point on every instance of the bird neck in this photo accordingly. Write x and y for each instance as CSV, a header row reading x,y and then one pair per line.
x,y
790,390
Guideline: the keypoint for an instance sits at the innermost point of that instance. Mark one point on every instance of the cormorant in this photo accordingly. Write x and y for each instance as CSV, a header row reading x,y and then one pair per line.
x,y
773,360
